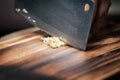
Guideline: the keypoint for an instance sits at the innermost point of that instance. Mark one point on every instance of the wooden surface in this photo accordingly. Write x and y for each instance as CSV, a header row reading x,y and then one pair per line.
x,y
23,56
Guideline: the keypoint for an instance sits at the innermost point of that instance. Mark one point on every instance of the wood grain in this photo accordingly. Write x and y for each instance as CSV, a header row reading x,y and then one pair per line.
x,y
27,57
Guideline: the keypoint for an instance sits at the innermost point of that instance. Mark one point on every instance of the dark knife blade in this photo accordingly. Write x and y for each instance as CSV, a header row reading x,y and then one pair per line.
x,y
70,20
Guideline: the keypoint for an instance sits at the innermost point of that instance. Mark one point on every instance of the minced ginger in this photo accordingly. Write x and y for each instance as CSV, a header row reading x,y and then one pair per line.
x,y
53,42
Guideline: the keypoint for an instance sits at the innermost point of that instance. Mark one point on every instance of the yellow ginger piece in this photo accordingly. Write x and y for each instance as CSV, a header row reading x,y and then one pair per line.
x,y
53,42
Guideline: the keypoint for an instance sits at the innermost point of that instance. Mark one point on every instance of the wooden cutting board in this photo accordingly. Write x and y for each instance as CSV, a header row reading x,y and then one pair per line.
x,y
24,56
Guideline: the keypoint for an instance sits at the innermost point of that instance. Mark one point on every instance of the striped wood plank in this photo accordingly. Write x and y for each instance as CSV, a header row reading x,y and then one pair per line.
x,y
25,56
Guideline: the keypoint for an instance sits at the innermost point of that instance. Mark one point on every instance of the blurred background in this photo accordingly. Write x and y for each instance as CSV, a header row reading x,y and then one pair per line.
x,y
10,21
114,12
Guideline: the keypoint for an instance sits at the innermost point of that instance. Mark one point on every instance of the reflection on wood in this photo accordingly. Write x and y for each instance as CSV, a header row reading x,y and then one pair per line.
x,y
26,57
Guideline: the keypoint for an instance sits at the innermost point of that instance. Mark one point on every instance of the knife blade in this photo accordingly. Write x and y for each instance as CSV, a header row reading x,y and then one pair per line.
x,y
70,20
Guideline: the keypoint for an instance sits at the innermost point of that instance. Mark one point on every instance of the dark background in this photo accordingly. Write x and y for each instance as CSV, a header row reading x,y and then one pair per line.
x,y
114,12
10,21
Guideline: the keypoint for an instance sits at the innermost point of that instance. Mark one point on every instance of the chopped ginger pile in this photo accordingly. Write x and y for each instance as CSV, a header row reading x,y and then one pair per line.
x,y
53,42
